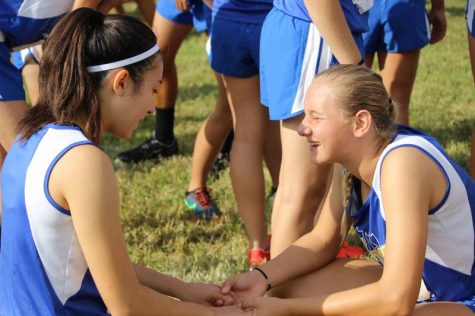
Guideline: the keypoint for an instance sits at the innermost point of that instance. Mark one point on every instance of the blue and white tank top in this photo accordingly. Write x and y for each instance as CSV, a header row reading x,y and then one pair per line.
x,y
247,11
357,21
449,260
25,22
42,267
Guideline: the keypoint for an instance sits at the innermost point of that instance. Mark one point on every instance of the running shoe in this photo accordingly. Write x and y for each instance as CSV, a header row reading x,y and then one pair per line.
x,y
258,256
199,202
347,251
151,149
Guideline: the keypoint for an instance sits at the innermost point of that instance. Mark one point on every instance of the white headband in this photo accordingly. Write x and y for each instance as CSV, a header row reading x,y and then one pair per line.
x,y
124,62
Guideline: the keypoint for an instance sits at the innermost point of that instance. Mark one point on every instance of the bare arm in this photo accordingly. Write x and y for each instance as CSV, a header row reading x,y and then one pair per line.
x,y
328,17
84,182
314,249
411,185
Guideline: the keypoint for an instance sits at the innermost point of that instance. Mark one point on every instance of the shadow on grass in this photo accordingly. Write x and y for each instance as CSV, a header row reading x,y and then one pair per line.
x,y
460,131
193,91
455,11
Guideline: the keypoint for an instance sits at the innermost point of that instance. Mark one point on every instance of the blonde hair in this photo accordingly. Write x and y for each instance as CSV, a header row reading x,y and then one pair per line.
x,y
359,88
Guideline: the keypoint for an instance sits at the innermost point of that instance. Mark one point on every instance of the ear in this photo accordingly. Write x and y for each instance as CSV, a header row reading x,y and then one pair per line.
x,y
120,81
362,122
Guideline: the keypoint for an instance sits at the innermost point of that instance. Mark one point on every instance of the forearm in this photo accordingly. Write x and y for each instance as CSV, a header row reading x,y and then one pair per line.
x,y
312,252
160,282
146,301
328,17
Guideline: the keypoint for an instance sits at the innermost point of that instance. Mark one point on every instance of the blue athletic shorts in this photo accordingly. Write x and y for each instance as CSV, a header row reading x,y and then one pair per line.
x,y
235,48
292,53
11,81
396,26
199,14
469,15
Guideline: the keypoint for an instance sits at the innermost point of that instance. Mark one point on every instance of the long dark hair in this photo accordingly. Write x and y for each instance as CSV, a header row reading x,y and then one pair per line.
x,y
82,38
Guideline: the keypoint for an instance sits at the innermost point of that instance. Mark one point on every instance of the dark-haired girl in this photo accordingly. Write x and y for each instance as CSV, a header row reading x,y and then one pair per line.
x,y
411,204
63,251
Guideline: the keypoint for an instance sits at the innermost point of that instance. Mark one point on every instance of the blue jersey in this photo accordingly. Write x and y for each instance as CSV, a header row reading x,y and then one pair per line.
x,y
358,22
43,270
248,11
27,21
449,260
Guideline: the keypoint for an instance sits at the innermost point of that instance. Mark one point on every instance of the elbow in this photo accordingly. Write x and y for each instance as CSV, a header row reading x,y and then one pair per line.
x,y
398,304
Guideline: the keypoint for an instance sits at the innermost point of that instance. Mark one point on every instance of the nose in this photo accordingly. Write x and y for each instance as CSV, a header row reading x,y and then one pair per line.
x,y
151,109
303,129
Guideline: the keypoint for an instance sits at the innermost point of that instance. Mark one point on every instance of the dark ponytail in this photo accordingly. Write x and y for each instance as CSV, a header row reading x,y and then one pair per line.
x,y
82,38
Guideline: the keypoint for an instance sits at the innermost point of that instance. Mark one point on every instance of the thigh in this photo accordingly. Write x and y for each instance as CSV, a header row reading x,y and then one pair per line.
x,y
301,180
247,112
170,35
338,275
442,309
398,70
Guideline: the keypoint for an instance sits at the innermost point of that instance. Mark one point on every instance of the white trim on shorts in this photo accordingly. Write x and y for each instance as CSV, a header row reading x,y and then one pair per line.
x,y
316,51
2,37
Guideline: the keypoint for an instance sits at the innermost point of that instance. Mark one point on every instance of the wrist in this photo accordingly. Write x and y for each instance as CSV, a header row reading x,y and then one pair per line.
x,y
264,276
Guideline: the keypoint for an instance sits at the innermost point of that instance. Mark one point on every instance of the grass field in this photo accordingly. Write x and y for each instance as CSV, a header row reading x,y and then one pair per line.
x,y
160,232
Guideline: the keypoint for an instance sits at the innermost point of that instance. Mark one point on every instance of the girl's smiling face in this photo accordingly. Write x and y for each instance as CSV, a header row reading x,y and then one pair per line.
x,y
324,125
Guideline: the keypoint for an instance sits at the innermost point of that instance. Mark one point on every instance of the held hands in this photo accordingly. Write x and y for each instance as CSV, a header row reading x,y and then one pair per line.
x,y
438,22
265,306
245,286
208,294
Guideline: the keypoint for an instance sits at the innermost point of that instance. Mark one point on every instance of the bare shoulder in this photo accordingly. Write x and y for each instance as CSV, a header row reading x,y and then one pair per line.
x,y
83,170
408,169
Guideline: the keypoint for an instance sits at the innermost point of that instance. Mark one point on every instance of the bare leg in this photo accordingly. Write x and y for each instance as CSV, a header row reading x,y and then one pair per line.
x,y
30,73
338,275
147,9
210,138
368,61
247,175
170,35
346,274
273,151
301,189
399,73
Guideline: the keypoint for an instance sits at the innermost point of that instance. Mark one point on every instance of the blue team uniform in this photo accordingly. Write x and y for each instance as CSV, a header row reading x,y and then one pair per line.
x,y
199,14
397,26
24,23
469,15
235,36
42,268
293,52
449,267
